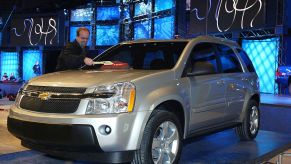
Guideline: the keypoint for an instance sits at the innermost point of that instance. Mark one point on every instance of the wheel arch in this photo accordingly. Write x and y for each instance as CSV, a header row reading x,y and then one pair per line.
x,y
256,97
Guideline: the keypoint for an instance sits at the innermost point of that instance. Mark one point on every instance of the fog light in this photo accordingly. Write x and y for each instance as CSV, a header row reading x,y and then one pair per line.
x,y
104,129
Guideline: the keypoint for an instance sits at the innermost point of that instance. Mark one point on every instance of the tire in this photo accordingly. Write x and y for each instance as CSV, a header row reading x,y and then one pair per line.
x,y
162,139
249,128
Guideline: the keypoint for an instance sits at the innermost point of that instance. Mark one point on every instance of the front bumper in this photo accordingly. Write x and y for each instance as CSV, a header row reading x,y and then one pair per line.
x,y
50,129
70,141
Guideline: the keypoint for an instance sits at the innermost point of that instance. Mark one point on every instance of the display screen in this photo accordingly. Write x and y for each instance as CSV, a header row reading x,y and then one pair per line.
x,y
164,28
9,66
142,30
142,8
32,64
108,13
163,5
73,33
78,15
107,35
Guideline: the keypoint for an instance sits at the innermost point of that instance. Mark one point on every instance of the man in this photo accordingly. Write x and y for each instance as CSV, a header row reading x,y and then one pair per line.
x,y
5,77
73,56
12,77
36,68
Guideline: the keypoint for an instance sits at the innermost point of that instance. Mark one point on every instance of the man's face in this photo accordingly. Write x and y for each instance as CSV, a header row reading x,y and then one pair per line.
x,y
83,37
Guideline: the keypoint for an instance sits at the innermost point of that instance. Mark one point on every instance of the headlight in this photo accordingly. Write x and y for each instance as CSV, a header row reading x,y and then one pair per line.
x,y
117,98
17,99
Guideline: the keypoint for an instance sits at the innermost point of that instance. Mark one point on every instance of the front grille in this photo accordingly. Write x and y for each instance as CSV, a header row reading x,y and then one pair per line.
x,y
55,89
49,106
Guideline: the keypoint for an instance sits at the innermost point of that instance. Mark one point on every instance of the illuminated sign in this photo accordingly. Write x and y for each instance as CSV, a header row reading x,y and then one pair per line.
x,y
226,15
34,31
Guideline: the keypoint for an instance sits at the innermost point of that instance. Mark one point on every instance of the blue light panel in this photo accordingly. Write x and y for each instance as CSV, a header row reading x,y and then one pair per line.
x,y
164,28
163,5
142,8
9,63
107,35
30,58
108,13
142,30
73,33
263,54
81,14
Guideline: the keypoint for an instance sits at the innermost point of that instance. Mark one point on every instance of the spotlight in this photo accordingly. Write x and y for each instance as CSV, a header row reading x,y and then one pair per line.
x,y
65,12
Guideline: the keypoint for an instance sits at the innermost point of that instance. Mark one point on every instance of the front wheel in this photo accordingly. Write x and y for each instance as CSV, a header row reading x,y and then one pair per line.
x,y
249,128
161,142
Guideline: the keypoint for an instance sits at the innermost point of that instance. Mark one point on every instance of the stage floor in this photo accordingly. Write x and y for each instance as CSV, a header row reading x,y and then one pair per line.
x,y
222,147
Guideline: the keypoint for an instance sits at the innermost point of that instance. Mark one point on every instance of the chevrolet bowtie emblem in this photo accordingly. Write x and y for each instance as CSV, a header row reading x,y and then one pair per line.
x,y
44,96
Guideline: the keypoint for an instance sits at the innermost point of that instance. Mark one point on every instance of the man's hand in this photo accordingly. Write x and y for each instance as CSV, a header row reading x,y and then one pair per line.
x,y
88,61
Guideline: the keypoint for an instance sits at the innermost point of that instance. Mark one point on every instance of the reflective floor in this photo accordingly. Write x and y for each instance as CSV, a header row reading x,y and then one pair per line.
x,y
218,148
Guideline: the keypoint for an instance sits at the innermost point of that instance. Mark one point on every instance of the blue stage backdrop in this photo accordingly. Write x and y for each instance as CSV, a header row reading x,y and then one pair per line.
x,y
142,30
164,28
263,54
107,35
9,63
32,64
80,15
108,13
73,33
164,5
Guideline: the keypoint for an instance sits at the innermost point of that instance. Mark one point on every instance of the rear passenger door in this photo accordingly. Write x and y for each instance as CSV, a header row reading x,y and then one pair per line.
x,y
207,88
232,74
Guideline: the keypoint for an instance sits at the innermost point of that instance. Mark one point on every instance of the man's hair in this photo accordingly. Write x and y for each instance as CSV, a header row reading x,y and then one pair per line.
x,y
82,29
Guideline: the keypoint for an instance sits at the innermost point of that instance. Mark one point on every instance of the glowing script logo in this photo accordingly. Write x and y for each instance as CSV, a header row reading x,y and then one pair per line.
x,y
233,8
38,31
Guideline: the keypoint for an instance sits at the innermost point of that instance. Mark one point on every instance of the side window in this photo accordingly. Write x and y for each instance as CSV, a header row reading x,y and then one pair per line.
x,y
228,59
246,60
203,60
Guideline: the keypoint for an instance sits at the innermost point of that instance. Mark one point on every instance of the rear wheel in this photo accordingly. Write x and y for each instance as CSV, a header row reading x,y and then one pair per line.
x,y
161,142
249,128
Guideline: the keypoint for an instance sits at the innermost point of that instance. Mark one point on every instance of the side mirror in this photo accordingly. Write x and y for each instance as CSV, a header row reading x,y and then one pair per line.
x,y
201,68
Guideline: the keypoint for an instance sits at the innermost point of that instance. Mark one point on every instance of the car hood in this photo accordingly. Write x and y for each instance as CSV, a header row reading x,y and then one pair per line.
x,y
88,78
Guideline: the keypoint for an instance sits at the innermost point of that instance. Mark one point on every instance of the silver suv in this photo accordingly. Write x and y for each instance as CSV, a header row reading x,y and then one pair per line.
x,y
139,101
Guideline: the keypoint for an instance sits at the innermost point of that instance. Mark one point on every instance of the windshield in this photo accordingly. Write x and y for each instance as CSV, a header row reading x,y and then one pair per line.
x,y
146,56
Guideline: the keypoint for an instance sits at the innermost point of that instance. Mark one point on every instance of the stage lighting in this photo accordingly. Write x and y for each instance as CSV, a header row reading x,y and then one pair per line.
x,y
264,54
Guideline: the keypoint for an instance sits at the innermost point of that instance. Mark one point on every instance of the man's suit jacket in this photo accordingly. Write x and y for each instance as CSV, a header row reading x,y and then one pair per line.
x,y
71,57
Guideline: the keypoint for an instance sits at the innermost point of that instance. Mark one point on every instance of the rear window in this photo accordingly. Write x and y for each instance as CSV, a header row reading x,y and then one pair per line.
x,y
228,59
246,60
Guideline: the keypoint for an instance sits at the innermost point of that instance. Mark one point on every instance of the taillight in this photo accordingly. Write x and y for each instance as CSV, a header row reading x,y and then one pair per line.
x,y
278,73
